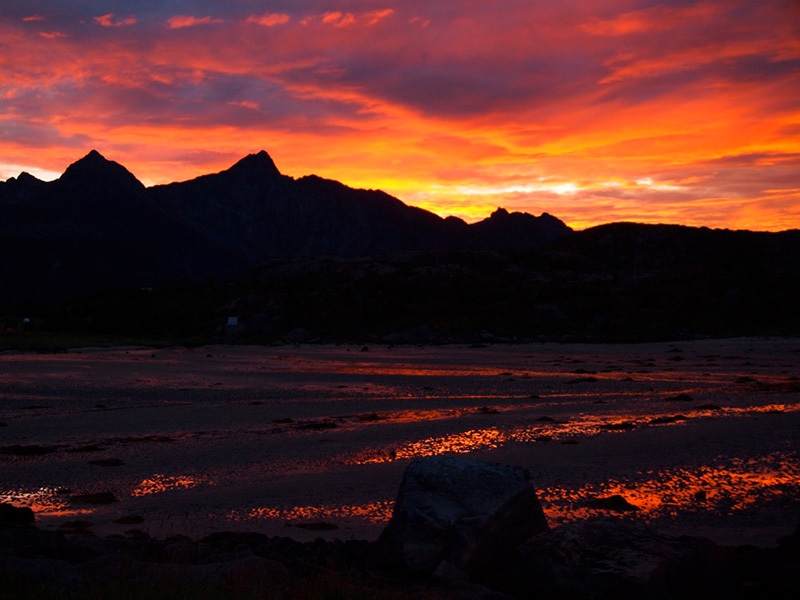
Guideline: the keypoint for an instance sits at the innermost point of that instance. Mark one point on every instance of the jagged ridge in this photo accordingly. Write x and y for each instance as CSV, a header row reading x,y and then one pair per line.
x,y
97,226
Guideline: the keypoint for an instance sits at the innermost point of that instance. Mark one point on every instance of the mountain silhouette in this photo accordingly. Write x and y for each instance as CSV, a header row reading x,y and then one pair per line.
x,y
98,227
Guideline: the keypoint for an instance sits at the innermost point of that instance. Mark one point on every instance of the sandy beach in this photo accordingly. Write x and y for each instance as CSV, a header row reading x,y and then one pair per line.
x,y
309,441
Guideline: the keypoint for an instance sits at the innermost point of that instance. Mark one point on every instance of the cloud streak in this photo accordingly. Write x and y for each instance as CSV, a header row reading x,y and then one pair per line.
x,y
181,21
269,19
110,20
570,107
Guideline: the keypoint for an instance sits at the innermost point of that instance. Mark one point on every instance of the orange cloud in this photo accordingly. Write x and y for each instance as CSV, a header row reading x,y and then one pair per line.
x,y
108,20
181,21
657,18
338,19
269,19
376,16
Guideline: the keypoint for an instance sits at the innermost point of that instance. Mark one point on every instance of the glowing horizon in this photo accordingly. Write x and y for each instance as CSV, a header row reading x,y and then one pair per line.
x,y
682,112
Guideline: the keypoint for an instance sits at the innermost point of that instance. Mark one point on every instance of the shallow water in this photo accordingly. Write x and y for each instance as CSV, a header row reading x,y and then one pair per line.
x,y
701,433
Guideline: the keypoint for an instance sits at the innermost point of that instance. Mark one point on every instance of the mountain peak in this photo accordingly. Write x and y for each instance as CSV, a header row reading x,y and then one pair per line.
x,y
257,164
27,178
95,169
500,213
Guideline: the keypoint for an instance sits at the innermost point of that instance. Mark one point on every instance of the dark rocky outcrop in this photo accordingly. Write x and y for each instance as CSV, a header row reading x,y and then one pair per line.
x,y
15,515
460,511
608,558
596,559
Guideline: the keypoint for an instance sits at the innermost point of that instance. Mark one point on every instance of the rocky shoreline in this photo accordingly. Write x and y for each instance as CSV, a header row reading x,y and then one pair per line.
x,y
596,558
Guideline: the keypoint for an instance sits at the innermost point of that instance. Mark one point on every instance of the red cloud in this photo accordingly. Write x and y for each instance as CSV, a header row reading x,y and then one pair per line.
x,y
181,21
658,18
376,16
338,19
269,19
109,21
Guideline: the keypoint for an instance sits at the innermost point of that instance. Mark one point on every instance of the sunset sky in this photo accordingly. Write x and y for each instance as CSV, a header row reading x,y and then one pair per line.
x,y
592,110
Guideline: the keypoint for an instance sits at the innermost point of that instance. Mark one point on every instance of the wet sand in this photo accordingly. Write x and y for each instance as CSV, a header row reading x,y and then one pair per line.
x,y
702,436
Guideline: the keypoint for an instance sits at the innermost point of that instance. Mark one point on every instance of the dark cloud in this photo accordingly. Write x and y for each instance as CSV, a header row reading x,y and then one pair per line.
x,y
38,135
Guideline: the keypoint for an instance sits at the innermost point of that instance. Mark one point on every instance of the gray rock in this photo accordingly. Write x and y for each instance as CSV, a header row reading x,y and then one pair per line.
x,y
463,511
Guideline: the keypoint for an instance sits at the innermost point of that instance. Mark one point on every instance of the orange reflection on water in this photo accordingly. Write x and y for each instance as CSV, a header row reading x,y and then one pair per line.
x,y
158,484
472,440
457,443
549,430
378,511
767,408
737,485
44,501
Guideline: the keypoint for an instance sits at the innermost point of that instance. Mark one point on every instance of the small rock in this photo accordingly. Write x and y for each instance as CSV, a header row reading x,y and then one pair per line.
x,y
615,503
666,420
96,498
679,398
30,450
15,515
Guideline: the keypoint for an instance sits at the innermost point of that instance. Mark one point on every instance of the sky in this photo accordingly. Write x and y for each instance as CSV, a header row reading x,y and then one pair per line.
x,y
594,111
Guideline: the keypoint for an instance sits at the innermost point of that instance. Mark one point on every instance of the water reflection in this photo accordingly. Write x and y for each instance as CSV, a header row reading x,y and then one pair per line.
x,y
158,484
729,486
734,485
50,501
489,438
378,511
549,430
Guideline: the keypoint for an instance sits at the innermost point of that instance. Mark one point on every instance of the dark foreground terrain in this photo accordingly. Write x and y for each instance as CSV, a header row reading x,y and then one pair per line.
x,y
598,559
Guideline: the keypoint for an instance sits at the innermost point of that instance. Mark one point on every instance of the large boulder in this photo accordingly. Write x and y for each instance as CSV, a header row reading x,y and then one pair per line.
x,y
461,511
